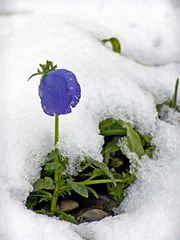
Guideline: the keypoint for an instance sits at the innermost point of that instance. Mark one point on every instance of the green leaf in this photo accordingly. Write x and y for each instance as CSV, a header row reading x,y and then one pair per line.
x,y
173,102
31,201
44,199
94,193
134,141
106,123
38,185
113,132
142,140
128,178
149,151
147,138
52,156
96,173
78,188
45,193
54,161
52,166
116,46
105,169
116,162
111,147
112,127
46,183
67,217
46,196
42,211
117,192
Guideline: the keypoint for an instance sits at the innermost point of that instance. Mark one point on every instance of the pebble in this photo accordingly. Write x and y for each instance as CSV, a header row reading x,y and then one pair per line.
x,y
68,205
92,215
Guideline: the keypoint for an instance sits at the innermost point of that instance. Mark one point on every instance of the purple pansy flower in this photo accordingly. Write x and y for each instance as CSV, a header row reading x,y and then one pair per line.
x,y
59,92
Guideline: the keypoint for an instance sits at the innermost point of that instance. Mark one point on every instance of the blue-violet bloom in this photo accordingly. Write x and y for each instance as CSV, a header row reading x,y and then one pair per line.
x,y
59,92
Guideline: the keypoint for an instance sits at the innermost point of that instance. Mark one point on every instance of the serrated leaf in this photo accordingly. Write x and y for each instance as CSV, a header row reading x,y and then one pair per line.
x,y
45,183
52,155
52,166
78,188
38,185
48,183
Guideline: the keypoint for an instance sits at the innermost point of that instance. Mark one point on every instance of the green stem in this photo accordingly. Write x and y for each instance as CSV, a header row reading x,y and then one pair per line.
x,y
92,182
56,172
56,127
100,181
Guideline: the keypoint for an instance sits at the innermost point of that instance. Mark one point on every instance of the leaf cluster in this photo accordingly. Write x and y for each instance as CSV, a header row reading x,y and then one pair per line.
x,y
110,177
113,130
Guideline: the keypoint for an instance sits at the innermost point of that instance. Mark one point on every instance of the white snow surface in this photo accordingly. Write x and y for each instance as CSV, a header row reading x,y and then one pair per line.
x,y
69,32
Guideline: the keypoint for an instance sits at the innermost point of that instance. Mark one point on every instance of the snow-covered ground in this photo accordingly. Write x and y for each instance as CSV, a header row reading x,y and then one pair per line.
x,y
68,32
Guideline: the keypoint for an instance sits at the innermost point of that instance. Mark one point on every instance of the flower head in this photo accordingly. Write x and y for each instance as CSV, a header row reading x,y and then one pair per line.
x,y
59,90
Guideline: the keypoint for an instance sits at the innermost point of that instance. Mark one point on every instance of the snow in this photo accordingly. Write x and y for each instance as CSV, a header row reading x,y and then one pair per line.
x,y
69,33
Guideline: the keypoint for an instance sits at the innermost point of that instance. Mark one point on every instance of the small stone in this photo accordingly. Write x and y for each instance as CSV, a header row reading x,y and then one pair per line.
x,y
92,215
68,205
105,203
